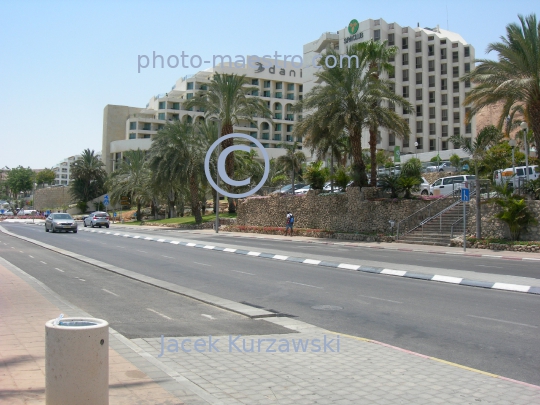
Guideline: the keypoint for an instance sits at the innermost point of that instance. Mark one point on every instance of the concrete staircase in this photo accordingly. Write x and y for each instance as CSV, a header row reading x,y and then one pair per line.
x,y
437,230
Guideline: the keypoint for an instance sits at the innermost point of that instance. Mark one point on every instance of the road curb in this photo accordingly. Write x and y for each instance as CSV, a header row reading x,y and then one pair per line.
x,y
242,309
346,266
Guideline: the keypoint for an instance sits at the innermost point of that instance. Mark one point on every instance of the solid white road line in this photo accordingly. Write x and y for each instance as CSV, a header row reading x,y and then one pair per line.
x,y
243,272
41,261
208,247
280,257
60,270
110,292
305,285
225,250
393,272
202,264
348,266
254,253
191,244
158,313
511,287
380,299
447,279
311,261
500,320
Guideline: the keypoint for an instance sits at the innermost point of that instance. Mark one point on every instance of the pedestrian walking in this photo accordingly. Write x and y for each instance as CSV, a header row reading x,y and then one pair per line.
x,y
290,223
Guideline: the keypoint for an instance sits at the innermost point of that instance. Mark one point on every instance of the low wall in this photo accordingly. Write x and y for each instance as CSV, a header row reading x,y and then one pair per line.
x,y
493,228
348,212
52,198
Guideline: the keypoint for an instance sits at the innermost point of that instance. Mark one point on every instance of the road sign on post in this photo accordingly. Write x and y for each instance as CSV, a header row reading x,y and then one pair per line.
x,y
124,200
465,195
106,200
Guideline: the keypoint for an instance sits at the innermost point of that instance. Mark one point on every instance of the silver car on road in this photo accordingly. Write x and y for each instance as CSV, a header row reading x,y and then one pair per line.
x,y
60,222
97,218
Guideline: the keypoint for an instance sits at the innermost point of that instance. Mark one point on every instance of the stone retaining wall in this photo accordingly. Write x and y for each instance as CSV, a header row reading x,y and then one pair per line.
x,y
348,212
52,198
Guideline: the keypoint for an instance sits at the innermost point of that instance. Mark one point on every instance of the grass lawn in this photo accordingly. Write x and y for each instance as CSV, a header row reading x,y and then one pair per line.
x,y
183,220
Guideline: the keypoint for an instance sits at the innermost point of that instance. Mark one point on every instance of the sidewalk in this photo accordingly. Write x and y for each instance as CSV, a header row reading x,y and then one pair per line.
x,y
353,371
23,313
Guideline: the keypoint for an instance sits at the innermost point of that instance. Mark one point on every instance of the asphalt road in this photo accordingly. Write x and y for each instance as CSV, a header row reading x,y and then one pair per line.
x,y
491,330
390,257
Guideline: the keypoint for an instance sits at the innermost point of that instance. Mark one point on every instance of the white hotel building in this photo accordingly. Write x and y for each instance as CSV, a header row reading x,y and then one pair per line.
x,y
427,71
126,128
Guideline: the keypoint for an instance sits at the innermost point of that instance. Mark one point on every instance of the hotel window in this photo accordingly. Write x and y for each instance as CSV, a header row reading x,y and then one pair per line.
x,y
160,127
392,87
431,81
190,86
444,115
266,93
289,138
420,142
432,128
431,66
161,105
456,130
419,94
253,134
289,128
278,107
299,139
392,58
146,127
379,137
405,43
444,145
444,99
431,113
392,74
419,62
391,106
132,136
431,50
419,110
391,40
277,127
279,94
468,128
467,51
132,125
290,96
419,127
267,84
456,102
443,53
146,136
278,116
444,68
432,94
455,86
161,116
405,59
444,131
290,87
418,46
419,78
455,56
455,72
265,125
406,110
467,84
175,106
431,38
444,84
255,93
432,146
266,136
376,35
467,67
189,96
255,82
456,118
276,137
406,142
301,88
443,41
405,75
279,85
406,91
391,139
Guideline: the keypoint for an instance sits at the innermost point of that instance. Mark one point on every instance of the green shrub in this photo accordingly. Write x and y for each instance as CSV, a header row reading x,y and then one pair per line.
x,y
515,214
316,175
341,179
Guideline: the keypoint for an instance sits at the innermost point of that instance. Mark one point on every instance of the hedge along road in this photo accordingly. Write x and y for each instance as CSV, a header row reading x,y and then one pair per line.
x,y
494,331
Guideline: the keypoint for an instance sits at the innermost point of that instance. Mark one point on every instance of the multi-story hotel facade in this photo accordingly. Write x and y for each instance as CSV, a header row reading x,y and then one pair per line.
x,y
428,67
281,86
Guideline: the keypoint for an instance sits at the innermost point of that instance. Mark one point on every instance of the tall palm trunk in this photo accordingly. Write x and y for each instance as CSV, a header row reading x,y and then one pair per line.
x,y
534,115
373,155
478,206
227,129
194,194
139,206
359,167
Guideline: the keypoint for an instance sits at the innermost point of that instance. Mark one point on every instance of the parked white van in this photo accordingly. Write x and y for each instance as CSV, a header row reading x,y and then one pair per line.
x,y
449,185
507,175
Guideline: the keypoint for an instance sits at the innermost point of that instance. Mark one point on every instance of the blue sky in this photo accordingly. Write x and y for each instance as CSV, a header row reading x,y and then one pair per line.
x,y
61,62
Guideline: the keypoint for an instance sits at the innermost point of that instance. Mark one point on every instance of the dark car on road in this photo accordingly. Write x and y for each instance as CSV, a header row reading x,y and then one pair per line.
x,y
60,222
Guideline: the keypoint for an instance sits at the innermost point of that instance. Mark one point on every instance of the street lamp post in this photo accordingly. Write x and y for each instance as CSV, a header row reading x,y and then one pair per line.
x,y
524,127
512,143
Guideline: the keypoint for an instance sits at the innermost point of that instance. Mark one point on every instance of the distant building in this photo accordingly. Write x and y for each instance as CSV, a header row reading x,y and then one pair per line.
x,y
62,170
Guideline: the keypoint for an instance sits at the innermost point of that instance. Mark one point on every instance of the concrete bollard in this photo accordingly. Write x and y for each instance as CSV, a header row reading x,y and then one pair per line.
x,y
77,361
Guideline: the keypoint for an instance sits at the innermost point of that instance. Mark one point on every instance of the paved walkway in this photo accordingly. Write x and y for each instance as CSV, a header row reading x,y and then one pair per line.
x,y
240,370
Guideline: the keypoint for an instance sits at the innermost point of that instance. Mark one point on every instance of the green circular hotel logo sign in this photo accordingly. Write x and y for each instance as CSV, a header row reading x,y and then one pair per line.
x,y
353,27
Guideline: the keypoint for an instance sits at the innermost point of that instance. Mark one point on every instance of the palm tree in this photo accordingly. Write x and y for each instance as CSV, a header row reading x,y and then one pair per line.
x,y
378,55
133,179
486,138
514,79
344,100
88,177
292,160
229,99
